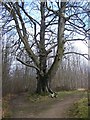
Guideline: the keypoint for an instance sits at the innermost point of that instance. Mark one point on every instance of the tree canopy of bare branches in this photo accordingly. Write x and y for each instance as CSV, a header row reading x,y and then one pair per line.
x,y
39,28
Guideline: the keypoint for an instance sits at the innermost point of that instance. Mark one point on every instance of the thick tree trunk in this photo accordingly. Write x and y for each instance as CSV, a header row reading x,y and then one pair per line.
x,y
41,79
41,84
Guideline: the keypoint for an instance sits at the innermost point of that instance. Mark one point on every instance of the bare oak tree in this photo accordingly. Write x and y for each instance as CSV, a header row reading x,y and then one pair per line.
x,y
51,26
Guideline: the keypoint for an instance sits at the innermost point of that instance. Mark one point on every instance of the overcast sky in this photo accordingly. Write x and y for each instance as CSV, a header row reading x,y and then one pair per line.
x,y
81,46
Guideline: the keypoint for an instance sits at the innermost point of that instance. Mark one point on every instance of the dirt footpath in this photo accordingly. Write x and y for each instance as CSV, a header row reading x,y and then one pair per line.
x,y
59,110
22,108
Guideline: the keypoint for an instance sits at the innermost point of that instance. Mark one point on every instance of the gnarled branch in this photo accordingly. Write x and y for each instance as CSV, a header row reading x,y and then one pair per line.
x,y
29,65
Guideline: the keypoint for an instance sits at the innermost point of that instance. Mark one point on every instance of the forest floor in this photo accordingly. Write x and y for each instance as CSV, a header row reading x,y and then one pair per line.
x,y
22,106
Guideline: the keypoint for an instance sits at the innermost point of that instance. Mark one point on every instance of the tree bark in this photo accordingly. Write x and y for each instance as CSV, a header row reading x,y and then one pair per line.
x,y
45,78
41,79
41,84
60,40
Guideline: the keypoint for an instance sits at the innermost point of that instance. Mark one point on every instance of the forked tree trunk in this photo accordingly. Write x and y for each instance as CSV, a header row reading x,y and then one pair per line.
x,y
44,78
43,86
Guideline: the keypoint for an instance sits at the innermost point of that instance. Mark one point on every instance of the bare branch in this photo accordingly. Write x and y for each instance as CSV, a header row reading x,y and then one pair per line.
x,y
75,14
28,64
51,21
75,40
31,18
50,49
84,55
22,37
53,56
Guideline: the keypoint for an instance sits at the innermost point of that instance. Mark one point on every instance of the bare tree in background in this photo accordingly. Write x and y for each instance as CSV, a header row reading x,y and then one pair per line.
x,y
51,26
6,64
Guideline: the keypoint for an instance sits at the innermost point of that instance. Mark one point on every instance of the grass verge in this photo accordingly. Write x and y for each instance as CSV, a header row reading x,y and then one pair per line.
x,y
79,109
6,110
46,97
